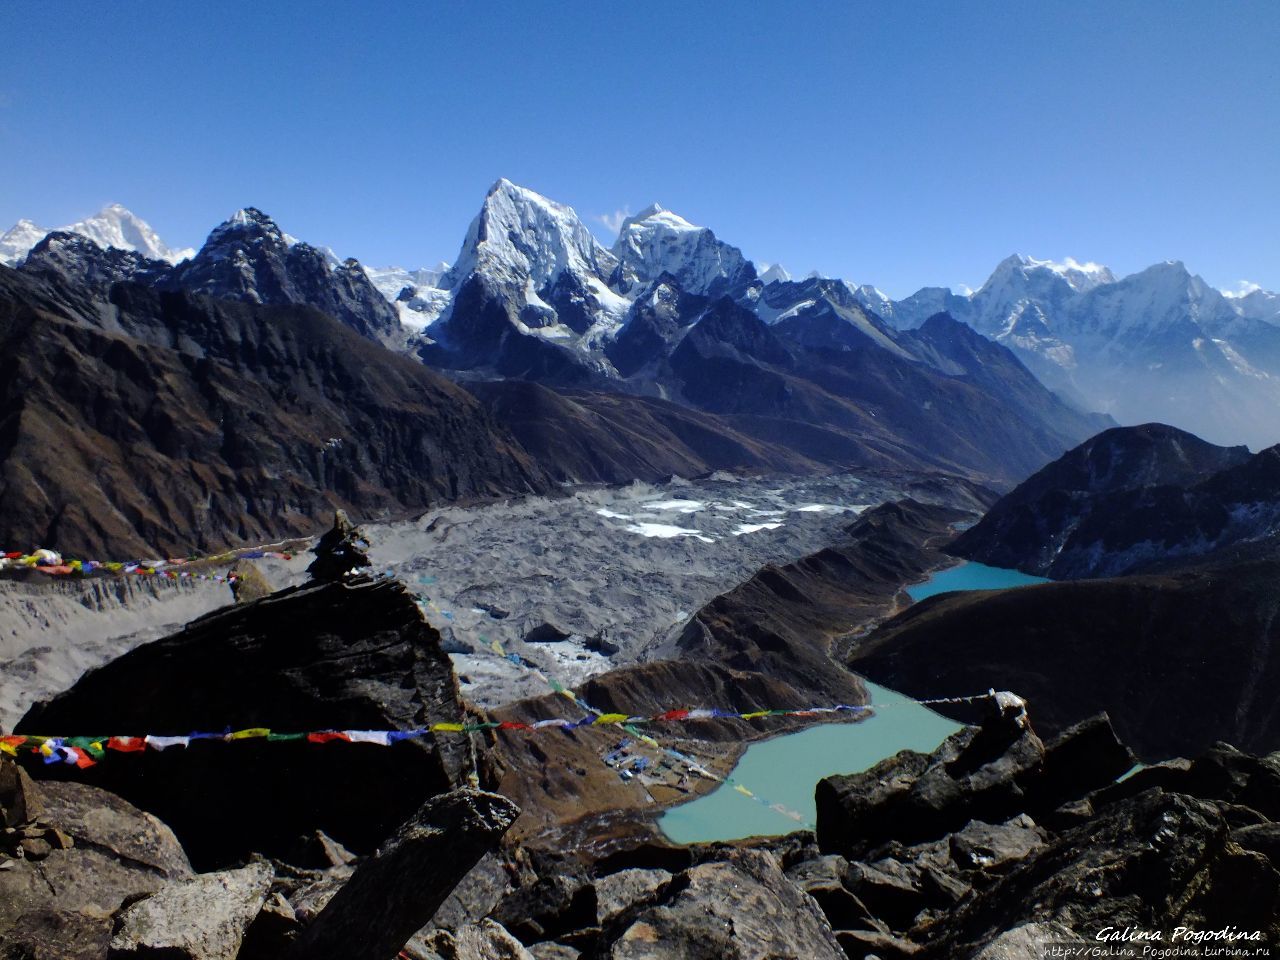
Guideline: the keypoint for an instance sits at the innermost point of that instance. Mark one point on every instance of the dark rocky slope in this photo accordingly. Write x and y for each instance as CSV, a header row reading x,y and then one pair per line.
x,y
603,437
1130,499
947,399
345,655
998,840
1178,659
169,423
784,621
801,396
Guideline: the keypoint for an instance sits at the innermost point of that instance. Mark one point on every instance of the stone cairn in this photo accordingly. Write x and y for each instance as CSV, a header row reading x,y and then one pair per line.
x,y
341,553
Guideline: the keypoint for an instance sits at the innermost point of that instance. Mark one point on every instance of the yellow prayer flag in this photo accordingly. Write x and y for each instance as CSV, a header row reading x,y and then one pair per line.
x,y
610,718
447,727
743,790
249,734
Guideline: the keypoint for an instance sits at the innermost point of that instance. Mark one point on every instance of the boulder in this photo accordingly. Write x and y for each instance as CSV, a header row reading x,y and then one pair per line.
x,y
19,798
978,773
476,895
1263,838
201,918
989,773
398,889
619,892
1153,861
555,904
348,655
554,951
319,851
1221,773
1027,941
485,940
57,935
250,583
874,945
739,908
1083,757
993,847
890,889
96,853
824,879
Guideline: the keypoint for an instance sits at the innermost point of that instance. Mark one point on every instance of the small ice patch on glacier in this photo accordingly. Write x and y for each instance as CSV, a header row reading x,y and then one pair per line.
x,y
755,527
666,531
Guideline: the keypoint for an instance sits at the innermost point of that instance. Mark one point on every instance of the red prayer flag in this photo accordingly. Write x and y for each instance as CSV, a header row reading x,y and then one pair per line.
x,y
83,760
127,744
327,736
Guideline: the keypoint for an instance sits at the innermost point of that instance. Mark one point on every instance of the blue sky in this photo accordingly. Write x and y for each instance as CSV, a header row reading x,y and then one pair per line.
x,y
896,143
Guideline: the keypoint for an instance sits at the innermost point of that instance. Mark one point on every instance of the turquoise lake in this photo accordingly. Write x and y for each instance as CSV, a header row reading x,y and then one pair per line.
x,y
971,576
785,770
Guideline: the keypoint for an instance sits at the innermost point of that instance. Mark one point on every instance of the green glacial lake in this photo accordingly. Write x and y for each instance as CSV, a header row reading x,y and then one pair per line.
x,y
785,770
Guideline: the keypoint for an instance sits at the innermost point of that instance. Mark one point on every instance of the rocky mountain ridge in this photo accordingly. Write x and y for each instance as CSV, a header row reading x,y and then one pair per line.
x,y
143,421
1160,344
113,226
1128,500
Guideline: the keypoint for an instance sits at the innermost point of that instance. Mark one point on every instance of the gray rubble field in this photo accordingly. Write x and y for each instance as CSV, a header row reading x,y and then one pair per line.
x,y
580,584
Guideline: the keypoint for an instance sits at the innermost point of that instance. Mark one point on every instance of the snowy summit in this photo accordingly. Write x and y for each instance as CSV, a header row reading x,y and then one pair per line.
x,y
112,226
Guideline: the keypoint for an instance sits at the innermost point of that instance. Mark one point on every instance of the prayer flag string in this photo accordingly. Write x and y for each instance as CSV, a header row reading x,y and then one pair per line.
x,y
53,564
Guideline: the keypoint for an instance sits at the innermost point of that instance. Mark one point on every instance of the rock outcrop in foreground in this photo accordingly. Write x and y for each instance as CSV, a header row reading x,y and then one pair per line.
x,y
982,850
350,655
70,856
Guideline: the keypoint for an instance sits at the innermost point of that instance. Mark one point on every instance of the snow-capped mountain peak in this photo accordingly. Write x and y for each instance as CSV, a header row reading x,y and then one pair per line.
x,y
17,241
875,300
1257,304
521,237
657,215
657,241
247,223
112,226
391,281
773,272
1081,276
1025,272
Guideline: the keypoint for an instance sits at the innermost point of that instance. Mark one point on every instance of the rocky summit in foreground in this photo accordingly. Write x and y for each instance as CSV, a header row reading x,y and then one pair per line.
x,y
986,849
352,654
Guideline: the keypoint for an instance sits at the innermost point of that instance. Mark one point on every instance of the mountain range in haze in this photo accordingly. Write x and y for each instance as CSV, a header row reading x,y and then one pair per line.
x,y
532,294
